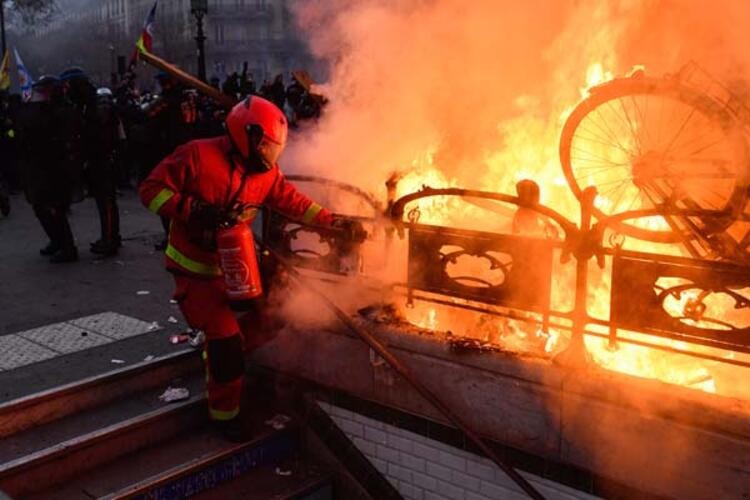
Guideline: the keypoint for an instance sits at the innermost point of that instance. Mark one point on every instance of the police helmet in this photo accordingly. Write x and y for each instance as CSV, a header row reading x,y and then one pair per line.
x,y
45,81
73,73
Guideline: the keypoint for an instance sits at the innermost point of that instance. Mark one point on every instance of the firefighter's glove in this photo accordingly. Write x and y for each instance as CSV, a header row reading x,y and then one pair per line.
x,y
205,216
350,230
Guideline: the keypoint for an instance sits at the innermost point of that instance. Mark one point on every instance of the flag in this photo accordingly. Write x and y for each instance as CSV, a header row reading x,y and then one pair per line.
x,y
5,71
145,41
24,77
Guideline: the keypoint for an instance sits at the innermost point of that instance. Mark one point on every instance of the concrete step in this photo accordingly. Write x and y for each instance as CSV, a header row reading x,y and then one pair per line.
x,y
66,434
291,479
183,466
103,438
46,406
29,470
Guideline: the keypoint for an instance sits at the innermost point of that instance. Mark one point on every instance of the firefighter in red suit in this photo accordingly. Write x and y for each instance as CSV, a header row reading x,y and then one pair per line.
x,y
198,186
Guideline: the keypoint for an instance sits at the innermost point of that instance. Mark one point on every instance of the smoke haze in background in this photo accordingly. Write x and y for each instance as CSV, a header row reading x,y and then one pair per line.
x,y
479,89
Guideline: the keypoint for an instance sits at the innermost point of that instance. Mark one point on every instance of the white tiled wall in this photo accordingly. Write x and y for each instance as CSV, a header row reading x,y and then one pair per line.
x,y
424,469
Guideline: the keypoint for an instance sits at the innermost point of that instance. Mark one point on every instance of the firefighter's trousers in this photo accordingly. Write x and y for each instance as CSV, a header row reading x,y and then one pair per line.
x,y
229,338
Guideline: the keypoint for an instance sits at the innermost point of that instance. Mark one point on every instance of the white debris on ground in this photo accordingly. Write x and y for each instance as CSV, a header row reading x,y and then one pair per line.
x,y
142,292
178,339
283,472
118,361
198,339
278,422
172,394
171,319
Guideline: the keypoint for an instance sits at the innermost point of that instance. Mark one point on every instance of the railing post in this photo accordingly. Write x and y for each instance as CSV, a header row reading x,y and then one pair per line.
x,y
576,354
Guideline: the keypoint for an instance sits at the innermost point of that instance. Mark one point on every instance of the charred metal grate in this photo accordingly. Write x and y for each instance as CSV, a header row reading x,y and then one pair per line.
x,y
521,267
641,289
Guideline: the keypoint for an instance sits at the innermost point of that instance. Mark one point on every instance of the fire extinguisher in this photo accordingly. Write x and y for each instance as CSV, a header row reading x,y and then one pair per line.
x,y
239,264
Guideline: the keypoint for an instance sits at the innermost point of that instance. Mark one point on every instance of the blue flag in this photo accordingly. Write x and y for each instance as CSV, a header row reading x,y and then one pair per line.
x,y
24,77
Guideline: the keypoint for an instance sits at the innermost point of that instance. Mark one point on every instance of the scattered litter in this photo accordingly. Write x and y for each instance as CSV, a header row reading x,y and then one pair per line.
x,y
172,301
179,338
278,422
172,394
150,357
142,292
118,361
84,333
283,472
153,326
198,339
171,319
120,262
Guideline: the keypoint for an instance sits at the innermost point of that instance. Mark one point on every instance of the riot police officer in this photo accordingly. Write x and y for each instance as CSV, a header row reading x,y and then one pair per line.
x,y
102,173
47,132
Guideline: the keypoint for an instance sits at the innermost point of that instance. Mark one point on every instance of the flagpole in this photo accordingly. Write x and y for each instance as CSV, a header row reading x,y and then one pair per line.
x,y
187,79
2,22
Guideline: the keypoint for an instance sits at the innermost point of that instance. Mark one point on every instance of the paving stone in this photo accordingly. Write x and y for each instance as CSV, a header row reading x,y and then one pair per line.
x,y
64,337
16,351
113,325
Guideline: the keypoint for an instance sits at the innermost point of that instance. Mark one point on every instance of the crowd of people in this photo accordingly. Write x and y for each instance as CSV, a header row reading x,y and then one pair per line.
x,y
71,141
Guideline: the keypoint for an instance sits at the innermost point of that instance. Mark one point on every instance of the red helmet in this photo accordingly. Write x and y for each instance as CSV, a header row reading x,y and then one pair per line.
x,y
257,129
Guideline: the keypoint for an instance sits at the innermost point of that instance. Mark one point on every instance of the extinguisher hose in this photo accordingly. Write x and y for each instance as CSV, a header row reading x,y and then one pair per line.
x,y
407,374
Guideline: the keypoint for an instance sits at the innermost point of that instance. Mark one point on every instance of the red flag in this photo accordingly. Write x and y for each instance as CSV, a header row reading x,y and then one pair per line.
x,y
145,41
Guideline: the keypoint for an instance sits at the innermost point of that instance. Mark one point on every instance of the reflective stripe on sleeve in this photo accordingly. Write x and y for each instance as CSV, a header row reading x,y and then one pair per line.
x,y
160,199
190,264
311,213
223,414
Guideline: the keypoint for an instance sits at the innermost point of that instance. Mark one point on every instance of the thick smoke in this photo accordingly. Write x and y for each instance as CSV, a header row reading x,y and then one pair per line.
x,y
479,88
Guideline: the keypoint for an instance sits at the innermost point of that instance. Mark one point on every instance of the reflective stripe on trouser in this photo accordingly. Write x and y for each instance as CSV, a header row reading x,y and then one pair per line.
x,y
223,398
205,306
191,265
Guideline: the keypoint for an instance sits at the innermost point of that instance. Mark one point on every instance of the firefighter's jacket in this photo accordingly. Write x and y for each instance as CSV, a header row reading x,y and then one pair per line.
x,y
203,169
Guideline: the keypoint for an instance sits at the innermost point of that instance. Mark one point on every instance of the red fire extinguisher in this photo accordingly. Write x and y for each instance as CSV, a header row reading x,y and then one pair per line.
x,y
239,263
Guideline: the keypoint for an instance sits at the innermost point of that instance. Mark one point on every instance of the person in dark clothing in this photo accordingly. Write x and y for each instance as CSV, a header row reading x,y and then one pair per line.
x,y
7,153
247,82
102,173
171,120
231,86
80,96
48,129
295,92
126,104
277,91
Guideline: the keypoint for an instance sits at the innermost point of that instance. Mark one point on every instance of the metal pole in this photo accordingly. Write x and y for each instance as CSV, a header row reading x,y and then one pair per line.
x,y
187,79
576,355
200,39
2,23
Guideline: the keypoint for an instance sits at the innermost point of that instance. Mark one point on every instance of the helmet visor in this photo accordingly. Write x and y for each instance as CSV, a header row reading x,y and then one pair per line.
x,y
270,151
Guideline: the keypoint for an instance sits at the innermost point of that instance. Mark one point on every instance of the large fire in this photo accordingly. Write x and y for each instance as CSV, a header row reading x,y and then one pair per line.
x,y
627,358
452,95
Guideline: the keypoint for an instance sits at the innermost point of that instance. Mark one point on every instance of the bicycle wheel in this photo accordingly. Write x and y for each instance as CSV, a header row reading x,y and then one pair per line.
x,y
647,142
